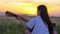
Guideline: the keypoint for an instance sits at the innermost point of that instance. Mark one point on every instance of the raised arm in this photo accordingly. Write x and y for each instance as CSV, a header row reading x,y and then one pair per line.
x,y
20,19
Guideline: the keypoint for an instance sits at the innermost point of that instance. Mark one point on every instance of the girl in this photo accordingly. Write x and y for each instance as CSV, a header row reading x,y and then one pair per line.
x,y
41,23
38,25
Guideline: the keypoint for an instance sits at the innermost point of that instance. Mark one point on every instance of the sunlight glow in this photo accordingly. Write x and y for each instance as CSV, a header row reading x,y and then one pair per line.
x,y
29,6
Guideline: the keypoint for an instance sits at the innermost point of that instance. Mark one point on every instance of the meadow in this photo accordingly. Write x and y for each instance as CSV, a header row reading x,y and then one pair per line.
x,y
10,25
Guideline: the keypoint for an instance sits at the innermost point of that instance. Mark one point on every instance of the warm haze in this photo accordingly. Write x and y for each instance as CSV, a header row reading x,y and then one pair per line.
x,y
30,6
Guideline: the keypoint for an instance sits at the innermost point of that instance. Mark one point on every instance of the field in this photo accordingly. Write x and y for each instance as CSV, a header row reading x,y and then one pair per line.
x,y
10,25
57,21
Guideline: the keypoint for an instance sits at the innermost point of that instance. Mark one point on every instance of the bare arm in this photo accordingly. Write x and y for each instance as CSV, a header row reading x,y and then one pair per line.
x,y
17,17
22,22
24,25
20,19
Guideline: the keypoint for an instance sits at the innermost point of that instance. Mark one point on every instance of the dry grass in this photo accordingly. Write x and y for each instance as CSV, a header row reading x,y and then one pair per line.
x,y
9,25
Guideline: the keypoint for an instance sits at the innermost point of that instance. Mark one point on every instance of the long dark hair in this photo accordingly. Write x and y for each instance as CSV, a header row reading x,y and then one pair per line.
x,y
45,17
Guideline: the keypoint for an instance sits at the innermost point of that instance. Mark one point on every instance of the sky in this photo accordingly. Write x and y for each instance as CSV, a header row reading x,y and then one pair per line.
x,y
30,6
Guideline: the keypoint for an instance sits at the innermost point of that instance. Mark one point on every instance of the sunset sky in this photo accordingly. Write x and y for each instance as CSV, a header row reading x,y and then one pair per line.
x,y
30,6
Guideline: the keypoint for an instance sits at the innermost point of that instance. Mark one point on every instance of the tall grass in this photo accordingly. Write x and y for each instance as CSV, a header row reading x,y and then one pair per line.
x,y
9,25
57,21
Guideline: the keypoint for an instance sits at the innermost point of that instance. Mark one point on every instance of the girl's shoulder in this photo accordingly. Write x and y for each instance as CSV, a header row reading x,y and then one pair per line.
x,y
35,18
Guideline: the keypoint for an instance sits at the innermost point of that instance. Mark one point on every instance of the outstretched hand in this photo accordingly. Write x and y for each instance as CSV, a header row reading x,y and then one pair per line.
x,y
20,19
16,16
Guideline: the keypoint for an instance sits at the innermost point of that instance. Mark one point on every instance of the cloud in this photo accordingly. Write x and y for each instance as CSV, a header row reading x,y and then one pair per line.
x,y
36,1
12,0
